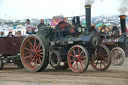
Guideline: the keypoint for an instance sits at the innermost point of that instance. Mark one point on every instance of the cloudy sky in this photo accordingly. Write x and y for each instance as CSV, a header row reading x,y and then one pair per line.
x,y
24,9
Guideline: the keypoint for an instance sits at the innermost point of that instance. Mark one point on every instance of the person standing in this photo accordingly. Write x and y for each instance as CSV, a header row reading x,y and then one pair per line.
x,y
30,29
41,23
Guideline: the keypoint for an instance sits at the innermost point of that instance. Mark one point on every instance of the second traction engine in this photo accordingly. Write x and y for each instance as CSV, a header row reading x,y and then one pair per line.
x,y
118,44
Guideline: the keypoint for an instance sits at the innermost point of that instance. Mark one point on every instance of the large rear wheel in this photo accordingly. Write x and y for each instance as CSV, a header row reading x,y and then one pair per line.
x,y
34,54
78,58
101,59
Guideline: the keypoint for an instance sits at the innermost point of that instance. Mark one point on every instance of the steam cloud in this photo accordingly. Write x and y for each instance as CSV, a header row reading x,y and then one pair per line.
x,y
90,2
123,6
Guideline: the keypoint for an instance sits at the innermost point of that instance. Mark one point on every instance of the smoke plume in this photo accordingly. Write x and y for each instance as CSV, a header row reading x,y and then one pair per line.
x,y
90,2
123,8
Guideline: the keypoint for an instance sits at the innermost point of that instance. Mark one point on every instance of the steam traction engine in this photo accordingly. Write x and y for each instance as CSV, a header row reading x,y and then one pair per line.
x,y
118,44
66,46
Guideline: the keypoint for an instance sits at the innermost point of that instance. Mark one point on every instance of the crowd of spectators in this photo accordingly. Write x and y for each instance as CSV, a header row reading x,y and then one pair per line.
x,y
30,29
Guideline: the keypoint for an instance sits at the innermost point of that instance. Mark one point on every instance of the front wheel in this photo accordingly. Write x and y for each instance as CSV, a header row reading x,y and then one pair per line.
x,y
101,60
78,58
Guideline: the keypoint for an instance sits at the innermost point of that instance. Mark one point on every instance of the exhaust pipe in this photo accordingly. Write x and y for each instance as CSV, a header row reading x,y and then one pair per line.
x,y
88,17
123,24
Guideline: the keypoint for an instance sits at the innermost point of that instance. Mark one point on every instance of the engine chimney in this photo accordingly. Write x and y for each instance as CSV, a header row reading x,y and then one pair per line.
x,y
123,24
88,17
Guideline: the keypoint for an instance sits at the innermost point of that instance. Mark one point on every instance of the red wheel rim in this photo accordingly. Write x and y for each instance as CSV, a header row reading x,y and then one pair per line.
x,y
32,53
77,59
100,62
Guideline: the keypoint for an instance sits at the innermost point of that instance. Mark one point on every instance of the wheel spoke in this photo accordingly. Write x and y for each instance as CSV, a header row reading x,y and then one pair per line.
x,y
81,53
28,56
104,55
83,57
40,50
74,65
39,60
81,65
103,63
28,52
100,53
72,55
77,65
71,61
35,43
100,64
35,62
74,52
27,49
30,62
115,60
97,53
31,46
39,55
96,62
93,60
78,50
38,46
83,62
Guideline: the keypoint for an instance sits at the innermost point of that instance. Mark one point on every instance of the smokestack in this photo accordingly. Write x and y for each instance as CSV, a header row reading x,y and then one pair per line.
x,y
123,24
88,17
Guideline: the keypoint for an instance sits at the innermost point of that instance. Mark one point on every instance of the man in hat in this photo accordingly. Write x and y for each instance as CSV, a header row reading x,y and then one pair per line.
x,y
30,29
